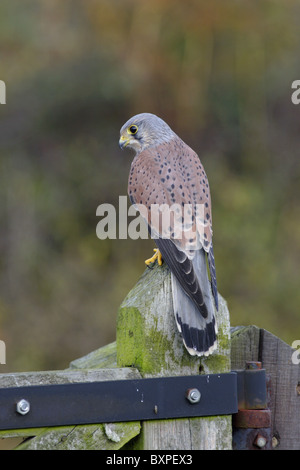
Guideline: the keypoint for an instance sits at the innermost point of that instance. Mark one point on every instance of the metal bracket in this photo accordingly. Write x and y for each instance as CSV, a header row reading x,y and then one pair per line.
x,y
252,423
121,400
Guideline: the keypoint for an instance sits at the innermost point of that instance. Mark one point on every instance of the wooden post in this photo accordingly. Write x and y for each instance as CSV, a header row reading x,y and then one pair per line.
x,y
148,339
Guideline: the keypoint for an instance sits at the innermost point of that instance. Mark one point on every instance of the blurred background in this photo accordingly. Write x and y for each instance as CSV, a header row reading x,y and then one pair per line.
x,y
220,74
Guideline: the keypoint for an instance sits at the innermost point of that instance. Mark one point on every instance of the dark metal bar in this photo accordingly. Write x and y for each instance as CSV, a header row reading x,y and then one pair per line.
x,y
122,400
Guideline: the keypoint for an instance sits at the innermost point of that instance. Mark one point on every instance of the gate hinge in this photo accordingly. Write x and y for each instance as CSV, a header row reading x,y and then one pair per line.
x,y
252,423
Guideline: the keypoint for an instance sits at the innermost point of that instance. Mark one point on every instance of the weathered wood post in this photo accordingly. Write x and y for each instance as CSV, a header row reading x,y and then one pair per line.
x,y
148,339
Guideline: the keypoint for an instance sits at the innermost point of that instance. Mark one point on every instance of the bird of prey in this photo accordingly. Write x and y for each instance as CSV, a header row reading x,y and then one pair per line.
x,y
166,173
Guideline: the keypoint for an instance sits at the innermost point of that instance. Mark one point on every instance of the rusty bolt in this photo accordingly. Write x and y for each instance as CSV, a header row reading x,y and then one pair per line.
x,y
193,395
260,441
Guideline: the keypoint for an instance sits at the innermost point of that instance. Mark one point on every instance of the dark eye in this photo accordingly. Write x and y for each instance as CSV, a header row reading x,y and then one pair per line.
x,y
132,129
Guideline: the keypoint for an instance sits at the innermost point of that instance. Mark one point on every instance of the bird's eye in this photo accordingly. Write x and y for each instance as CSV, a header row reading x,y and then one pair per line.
x,y
132,130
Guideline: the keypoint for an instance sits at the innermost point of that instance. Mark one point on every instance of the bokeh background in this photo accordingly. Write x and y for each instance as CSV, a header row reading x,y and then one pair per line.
x,y
220,74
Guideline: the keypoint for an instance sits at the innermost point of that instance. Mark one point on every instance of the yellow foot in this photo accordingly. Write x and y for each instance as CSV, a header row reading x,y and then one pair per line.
x,y
155,257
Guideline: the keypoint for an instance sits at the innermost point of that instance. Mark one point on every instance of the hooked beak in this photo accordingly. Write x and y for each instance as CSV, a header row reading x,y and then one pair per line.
x,y
123,142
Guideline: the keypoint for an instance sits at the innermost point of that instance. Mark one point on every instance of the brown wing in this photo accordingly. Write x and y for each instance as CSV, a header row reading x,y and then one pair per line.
x,y
172,176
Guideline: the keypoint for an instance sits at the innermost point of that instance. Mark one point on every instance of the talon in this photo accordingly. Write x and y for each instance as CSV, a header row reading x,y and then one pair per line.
x,y
157,256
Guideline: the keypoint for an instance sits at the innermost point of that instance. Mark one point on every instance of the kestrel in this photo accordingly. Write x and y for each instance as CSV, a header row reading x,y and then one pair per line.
x,y
169,187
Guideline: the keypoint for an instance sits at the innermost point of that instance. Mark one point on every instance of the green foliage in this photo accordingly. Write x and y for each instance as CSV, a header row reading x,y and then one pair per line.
x,y
220,74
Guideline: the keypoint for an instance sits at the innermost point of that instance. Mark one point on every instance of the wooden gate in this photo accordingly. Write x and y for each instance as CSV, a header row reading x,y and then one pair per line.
x,y
149,345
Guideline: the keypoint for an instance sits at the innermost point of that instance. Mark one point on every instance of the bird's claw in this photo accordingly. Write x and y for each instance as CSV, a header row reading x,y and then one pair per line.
x,y
157,256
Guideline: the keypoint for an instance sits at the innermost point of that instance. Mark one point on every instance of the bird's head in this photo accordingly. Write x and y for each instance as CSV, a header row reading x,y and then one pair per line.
x,y
143,131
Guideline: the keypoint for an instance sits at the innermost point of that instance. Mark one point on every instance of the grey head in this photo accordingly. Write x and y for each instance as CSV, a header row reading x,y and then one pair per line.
x,y
143,131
